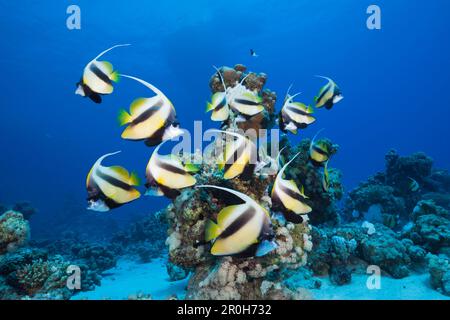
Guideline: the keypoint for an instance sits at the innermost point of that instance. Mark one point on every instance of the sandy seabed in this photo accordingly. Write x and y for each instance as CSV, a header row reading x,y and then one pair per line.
x,y
129,278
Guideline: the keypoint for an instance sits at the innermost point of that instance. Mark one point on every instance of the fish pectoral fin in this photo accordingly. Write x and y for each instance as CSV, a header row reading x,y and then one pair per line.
x,y
212,230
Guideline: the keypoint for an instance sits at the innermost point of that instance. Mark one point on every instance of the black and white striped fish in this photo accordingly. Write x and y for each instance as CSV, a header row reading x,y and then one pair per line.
x,y
319,152
110,187
240,99
413,185
150,119
243,229
287,198
98,78
166,174
240,156
295,115
329,95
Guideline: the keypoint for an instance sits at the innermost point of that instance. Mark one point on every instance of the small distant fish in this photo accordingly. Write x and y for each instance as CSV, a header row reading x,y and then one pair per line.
x,y
318,151
98,77
150,119
326,178
110,187
243,229
253,53
287,197
239,157
413,185
166,174
329,95
295,115
389,220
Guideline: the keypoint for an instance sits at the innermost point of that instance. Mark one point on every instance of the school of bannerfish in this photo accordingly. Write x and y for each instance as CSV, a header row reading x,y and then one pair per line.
x,y
244,229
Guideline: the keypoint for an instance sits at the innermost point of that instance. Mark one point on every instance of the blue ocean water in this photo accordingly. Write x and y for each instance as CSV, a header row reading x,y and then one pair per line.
x,y
394,81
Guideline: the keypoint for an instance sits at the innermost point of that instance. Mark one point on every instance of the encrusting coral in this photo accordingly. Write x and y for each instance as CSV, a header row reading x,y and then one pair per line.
x,y
14,231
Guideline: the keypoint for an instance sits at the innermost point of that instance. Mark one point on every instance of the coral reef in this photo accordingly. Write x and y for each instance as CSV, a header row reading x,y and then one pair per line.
x,y
306,174
439,273
14,231
144,238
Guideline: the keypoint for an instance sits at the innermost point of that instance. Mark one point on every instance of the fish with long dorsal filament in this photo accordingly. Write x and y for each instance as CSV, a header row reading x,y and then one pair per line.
x,y
110,187
329,94
240,99
288,198
166,174
150,119
295,115
98,78
244,229
413,185
319,152
239,157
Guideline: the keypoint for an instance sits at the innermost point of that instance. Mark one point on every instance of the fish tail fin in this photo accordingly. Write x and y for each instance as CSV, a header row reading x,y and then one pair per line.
x,y
191,168
212,230
134,179
115,76
209,107
124,117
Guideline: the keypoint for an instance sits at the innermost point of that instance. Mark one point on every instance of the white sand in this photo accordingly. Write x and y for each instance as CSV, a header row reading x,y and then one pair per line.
x,y
130,277
414,287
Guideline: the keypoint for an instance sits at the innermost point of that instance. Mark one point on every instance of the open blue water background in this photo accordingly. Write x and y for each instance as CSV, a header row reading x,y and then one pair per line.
x,y
395,81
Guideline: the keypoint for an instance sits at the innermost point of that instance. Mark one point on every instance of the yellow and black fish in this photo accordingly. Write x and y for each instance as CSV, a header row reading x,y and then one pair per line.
x,y
239,158
319,152
295,115
219,107
329,95
98,78
150,119
240,99
166,175
287,198
413,185
243,229
245,102
110,187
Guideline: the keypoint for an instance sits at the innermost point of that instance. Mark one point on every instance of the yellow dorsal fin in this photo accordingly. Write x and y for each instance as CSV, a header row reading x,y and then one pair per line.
x,y
107,66
292,185
137,105
225,214
121,172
